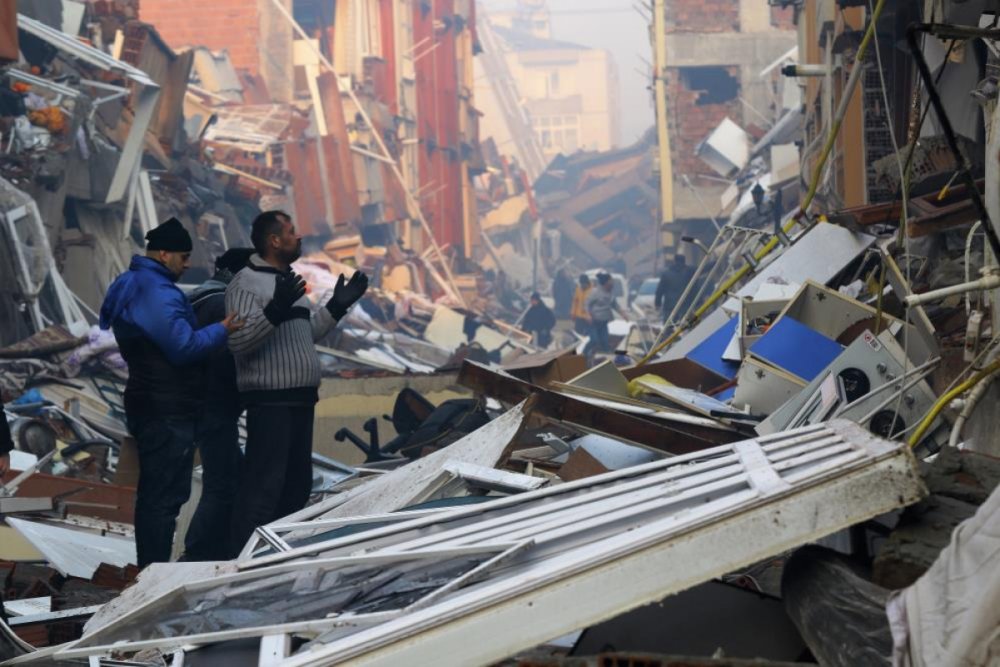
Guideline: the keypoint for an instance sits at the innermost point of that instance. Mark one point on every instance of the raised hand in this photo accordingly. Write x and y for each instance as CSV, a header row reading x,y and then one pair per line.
x,y
346,294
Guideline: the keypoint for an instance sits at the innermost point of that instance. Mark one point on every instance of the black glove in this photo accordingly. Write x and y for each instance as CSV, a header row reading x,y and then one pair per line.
x,y
346,294
288,288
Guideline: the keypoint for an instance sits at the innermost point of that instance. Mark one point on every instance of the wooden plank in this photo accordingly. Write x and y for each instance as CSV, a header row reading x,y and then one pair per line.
x,y
670,438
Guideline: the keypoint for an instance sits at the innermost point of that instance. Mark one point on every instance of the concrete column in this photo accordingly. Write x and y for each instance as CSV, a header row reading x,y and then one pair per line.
x,y
275,50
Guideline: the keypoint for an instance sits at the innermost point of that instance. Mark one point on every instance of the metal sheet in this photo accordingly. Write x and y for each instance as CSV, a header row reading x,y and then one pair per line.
x,y
796,348
879,359
75,553
819,255
710,352
400,487
628,538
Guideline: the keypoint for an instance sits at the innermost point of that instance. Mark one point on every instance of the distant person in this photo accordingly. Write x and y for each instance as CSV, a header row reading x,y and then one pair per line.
x,y
562,294
278,372
218,432
539,321
579,313
673,281
601,307
164,347
504,294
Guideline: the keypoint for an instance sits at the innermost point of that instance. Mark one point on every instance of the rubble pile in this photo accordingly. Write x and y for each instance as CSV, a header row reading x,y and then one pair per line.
x,y
799,466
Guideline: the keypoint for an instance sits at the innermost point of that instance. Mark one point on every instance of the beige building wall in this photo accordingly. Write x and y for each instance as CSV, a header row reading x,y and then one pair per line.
x,y
571,95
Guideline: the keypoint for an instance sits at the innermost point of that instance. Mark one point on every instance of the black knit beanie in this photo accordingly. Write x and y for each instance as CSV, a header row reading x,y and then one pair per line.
x,y
170,236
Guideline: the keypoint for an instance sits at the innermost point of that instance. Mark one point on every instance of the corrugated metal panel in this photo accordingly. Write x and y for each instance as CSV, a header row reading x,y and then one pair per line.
x,y
75,553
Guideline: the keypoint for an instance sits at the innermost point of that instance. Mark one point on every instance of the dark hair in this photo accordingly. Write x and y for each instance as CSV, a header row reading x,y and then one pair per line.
x,y
264,225
603,278
233,260
584,280
536,296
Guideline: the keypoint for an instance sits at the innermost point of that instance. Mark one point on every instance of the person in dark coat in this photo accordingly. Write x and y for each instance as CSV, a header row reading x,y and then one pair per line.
x,y
160,340
6,442
539,321
562,294
673,280
217,433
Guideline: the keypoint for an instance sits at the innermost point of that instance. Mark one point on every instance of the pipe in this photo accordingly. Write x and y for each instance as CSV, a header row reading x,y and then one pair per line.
x,y
694,279
804,70
970,404
695,242
942,402
986,282
848,93
968,253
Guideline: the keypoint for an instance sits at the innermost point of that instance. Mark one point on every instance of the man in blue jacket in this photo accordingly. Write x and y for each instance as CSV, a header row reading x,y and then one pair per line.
x,y
158,337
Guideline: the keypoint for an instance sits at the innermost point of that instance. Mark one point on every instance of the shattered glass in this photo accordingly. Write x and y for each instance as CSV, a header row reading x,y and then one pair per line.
x,y
311,593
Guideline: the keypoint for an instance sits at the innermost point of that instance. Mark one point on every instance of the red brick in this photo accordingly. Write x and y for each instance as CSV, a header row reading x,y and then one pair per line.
x,y
232,25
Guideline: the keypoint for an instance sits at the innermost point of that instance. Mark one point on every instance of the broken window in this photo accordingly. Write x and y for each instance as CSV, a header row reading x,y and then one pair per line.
x,y
715,84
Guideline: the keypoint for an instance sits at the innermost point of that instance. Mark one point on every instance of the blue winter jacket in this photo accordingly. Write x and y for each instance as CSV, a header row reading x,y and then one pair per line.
x,y
158,337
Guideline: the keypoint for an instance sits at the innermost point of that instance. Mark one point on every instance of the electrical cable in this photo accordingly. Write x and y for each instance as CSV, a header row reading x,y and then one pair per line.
x,y
947,398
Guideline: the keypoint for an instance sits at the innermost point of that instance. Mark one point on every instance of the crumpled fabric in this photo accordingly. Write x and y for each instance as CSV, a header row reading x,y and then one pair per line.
x,y
101,344
951,616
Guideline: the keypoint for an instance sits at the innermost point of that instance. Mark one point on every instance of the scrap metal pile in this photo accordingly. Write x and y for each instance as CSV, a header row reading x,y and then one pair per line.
x,y
775,476
576,498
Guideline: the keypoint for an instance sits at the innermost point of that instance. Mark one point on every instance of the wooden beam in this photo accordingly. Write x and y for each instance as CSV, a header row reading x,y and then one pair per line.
x,y
659,435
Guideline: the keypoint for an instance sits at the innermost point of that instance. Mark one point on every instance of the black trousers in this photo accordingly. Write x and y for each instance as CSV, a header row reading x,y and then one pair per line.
x,y
218,439
166,457
277,468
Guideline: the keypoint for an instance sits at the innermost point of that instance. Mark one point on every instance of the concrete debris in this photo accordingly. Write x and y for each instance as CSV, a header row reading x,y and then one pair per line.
x,y
714,393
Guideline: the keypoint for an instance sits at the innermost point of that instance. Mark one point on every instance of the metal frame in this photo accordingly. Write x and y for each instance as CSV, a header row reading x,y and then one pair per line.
x,y
640,566
145,97
501,553
66,302
626,538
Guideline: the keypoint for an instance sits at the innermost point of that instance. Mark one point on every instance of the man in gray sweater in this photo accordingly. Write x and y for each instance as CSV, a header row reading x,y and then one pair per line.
x,y
278,372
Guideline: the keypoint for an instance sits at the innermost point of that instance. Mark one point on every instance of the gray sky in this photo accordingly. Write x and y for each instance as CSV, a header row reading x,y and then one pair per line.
x,y
615,26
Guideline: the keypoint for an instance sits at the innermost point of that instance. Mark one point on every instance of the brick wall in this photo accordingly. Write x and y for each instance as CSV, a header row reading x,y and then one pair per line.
x,y
703,15
783,19
691,122
232,25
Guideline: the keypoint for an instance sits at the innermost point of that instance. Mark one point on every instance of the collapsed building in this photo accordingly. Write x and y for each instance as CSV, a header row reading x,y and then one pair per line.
x,y
799,467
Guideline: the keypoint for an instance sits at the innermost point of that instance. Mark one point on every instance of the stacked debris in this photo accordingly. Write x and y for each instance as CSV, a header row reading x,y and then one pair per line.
x,y
563,507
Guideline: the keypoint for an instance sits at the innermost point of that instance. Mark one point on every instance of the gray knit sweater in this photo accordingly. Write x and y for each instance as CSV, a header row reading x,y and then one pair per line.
x,y
274,364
